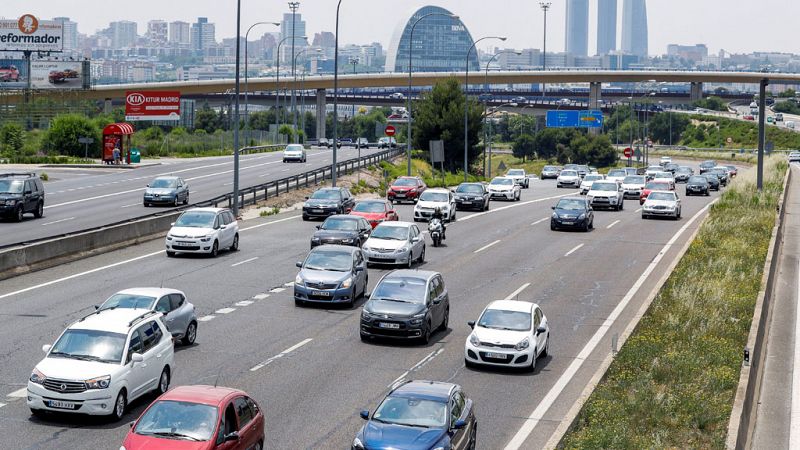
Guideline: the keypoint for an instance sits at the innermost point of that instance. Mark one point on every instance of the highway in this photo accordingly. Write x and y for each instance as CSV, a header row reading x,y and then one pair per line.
x,y
78,199
308,368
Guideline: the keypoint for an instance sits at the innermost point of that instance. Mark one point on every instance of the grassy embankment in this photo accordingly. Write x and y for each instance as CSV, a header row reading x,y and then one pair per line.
x,y
673,382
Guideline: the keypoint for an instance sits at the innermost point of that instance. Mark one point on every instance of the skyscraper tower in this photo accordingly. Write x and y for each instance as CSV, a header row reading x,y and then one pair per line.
x,y
634,27
577,27
606,26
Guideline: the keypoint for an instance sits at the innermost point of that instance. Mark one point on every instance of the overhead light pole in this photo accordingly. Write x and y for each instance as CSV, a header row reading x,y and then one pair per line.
x,y
278,80
236,113
335,95
466,100
545,7
294,103
293,6
408,97
485,104
246,90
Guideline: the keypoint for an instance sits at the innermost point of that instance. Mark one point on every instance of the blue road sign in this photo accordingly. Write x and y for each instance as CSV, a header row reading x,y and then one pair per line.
x,y
574,119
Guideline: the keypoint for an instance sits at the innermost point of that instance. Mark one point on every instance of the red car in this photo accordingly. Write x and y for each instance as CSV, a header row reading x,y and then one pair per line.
x,y
56,77
654,186
9,73
199,418
406,188
375,211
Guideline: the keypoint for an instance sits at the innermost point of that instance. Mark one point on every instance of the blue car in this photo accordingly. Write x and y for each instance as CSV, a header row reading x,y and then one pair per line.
x,y
419,415
331,274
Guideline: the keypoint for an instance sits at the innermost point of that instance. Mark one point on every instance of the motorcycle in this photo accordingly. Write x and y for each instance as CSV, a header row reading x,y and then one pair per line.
x,y
435,230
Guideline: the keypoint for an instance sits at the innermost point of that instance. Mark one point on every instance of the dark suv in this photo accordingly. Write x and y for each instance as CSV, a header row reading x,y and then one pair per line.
x,y
21,193
327,202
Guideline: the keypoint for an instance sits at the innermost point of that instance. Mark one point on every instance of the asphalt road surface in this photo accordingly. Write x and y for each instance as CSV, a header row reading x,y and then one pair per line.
x,y
78,199
311,396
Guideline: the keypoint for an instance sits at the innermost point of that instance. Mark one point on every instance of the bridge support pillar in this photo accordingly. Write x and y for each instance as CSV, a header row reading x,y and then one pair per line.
x,y
321,115
107,107
595,94
696,92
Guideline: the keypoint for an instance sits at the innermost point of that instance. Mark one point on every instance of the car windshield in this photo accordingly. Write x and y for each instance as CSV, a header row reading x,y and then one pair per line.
x,y
663,175
169,419
196,219
11,186
370,207
89,345
390,232
128,301
415,412
294,147
698,179
654,169
342,224
502,182
405,182
657,186
733,168
661,196
592,177
571,204
470,188
616,173
499,319
407,289
431,196
633,179
549,168
708,163
684,169
326,195
569,173
164,183
328,260
604,187
515,172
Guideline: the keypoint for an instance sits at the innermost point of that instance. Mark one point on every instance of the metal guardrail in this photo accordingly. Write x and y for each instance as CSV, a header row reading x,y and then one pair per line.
x,y
261,149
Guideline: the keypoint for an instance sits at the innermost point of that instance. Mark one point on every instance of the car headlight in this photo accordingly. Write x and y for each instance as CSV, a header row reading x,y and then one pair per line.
x,y
590,198
206,238
522,345
347,282
37,377
347,241
365,248
555,215
314,239
366,315
417,319
169,237
403,249
473,339
357,444
298,280
98,383
582,216
11,202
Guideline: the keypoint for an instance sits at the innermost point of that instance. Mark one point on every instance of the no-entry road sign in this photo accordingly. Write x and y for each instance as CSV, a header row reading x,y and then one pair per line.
x,y
390,130
628,152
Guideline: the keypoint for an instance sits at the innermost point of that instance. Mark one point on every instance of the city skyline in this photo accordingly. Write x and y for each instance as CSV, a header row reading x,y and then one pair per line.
x,y
677,21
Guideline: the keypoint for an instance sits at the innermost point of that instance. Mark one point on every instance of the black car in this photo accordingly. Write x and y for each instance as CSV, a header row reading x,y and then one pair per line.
x,y
683,173
671,168
698,185
713,181
572,212
342,229
472,196
327,202
705,166
21,193
406,304
721,173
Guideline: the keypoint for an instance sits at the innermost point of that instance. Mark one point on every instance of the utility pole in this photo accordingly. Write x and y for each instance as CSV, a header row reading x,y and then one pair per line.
x,y
354,61
545,7
293,6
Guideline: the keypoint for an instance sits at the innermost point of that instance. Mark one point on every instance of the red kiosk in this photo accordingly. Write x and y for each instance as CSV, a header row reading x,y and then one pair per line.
x,y
117,134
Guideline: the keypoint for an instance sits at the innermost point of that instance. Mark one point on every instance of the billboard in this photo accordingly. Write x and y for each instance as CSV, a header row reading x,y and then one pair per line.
x,y
57,75
31,34
13,73
152,105
574,119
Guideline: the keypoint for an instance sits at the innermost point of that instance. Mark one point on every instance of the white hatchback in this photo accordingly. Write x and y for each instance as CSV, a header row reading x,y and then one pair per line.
x,y
569,178
294,152
432,199
509,333
588,180
203,230
505,188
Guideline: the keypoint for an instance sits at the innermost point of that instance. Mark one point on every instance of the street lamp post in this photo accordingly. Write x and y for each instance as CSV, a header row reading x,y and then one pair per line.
x,y
294,6
494,110
246,90
354,61
466,100
294,103
485,101
335,95
545,7
236,114
277,80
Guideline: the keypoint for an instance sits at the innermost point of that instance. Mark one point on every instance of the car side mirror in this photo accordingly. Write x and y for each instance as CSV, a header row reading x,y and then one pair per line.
x,y
28,192
46,348
186,186
367,294
415,239
146,185
364,414
471,324
299,264
232,436
172,224
306,198
541,330
318,227
132,423
553,208
137,357
359,268
460,423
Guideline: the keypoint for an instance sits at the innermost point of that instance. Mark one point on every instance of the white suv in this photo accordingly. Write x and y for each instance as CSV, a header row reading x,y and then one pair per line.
x,y
520,177
102,362
203,230
433,198
606,194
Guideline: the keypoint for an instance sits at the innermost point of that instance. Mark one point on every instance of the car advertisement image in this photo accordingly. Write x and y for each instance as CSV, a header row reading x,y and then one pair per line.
x,y
56,75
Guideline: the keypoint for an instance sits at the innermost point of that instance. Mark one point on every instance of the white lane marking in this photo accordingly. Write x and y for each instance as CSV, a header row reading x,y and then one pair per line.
x,y
281,354
638,210
225,310
289,284
575,249
518,291
286,170
269,223
547,401
244,303
539,221
612,224
244,262
132,204
207,318
57,221
93,198
19,393
794,422
260,296
515,205
276,290
2,404
428,358
487,246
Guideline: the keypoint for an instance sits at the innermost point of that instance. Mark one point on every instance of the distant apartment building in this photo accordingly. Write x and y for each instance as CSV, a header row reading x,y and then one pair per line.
x,y
528,59
203,35
70,38
157,33
694,53
287,52
577,27
606,26
180,34
634,28
123,34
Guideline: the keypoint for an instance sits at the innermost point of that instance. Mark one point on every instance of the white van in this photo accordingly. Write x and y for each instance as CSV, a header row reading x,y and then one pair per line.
x,y
789,124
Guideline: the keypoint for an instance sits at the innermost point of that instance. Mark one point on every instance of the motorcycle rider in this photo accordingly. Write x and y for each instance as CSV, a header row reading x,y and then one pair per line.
x,y
437,214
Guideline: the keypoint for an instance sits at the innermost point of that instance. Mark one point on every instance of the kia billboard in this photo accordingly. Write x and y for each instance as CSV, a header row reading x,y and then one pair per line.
x,y
152,105
31,34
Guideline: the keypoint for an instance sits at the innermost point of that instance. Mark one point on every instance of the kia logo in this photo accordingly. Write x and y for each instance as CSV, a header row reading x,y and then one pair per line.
x,y
135,99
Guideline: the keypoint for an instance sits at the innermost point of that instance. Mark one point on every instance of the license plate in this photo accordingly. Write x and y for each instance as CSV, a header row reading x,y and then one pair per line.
x,y
400,195
60,404
466,203
321,293
389,325
316,211
179,244
495,355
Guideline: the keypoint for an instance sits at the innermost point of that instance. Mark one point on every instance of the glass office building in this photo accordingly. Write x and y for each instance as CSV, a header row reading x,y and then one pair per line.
x,y
440,44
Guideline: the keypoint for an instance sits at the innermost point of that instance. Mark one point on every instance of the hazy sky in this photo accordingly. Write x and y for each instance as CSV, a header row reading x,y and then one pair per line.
x,y
739,26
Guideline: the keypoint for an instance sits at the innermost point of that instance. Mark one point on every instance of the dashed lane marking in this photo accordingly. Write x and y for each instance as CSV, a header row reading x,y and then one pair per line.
x,y
280,355
244,262
612,224
19,393
575,249
225,310
207,318
487,246
260,296
244,303
539,221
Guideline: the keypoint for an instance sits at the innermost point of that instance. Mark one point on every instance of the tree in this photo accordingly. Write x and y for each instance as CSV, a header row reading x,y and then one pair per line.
x,y
66,129
207,119
524,146
660,126
439,115
12,138
262,120
712,103
521,124
287,131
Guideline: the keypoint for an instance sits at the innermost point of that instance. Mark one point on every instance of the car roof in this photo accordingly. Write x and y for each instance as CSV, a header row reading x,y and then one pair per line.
x,y
344,216
206,209
203,394
407,177
573,198
334,248
471,183
330,189
503,178
149,291
659,191
512,305
396,223
411,273
440,190
372,200
111,320
166,177
433,390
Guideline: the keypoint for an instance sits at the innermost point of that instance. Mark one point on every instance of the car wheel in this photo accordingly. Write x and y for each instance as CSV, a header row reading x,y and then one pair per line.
x,y
146,204
586,227
215,249
622,205
426,335
186,200
191,334
644,216
486,208
163,382
445,320
708,193
120,404
591,224
20,214
305,218
546,350
410,261
39,210
453,217
532,367
558,185
364,337
299,302
553,227
175,202
678,216
473,439
257,446
235,244
421,256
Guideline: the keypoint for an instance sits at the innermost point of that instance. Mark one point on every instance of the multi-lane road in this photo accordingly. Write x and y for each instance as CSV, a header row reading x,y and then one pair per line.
x,y
308,368
78,199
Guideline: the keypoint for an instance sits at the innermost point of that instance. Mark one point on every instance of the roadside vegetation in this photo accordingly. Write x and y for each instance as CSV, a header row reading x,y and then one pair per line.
x,y
673,382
